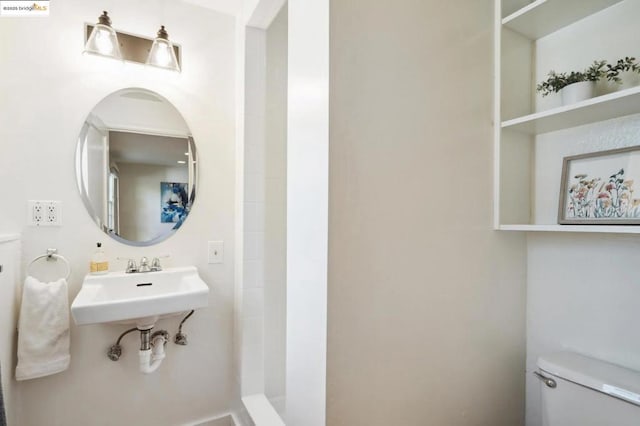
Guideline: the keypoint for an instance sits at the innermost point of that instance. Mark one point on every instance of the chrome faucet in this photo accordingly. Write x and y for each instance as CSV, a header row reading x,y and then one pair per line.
x,y
144,265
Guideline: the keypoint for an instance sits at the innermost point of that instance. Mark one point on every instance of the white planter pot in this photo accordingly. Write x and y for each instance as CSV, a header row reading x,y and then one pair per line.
x,y
577,92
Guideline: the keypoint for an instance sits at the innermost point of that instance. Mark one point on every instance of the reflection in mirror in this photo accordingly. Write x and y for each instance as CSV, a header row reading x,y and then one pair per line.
x,y
136,167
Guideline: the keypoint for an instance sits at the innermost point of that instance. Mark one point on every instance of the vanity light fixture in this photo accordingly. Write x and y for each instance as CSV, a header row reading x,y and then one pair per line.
x,y
162,54
103,40
182,162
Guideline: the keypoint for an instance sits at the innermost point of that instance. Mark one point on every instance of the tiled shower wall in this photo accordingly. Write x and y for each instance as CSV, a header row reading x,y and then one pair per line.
x,y
254,215
264,287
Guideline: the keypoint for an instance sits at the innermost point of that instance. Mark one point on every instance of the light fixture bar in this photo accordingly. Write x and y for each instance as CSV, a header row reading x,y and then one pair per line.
x,y
135,48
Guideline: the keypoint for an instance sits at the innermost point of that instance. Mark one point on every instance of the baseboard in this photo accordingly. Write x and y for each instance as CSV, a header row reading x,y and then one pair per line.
x,y
242,418
226,420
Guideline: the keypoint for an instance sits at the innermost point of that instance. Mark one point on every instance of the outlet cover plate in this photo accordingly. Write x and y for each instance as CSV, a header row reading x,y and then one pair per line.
x,y
44,213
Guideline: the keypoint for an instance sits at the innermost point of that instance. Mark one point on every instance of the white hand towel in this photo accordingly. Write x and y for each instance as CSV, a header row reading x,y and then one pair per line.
x,y
43,329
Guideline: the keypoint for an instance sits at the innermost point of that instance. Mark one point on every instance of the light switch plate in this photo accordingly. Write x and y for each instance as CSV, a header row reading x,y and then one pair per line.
x,y
215,252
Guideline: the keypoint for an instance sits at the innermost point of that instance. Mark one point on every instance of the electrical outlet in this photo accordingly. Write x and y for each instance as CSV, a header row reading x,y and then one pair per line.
x,y
34,213
53,213
216,252
44,213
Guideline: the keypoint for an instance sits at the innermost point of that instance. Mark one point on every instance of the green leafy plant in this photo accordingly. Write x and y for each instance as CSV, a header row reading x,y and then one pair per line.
x,y
623,65
596,71
553,84
558,81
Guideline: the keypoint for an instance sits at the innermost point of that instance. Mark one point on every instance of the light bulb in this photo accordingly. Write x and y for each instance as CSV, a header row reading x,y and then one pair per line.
x,y
103,40
162,54
163,57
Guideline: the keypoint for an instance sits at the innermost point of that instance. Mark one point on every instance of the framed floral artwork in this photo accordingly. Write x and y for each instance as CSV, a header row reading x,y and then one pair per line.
x,y
600,188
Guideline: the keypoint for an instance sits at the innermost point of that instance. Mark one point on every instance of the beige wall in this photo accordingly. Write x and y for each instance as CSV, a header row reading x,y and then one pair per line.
x,y
426,302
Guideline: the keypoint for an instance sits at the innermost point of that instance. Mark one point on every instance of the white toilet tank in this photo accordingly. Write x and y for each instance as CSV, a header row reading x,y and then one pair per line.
x,y
582,391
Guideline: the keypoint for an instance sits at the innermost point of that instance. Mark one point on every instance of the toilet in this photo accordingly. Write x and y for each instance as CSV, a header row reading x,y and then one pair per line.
x,y
582,391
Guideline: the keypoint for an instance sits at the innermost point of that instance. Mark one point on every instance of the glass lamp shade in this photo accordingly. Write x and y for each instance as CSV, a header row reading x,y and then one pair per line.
x,y
103,40
162,54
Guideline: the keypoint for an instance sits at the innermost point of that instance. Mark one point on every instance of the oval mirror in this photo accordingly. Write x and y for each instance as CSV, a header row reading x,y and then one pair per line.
x,y
136,167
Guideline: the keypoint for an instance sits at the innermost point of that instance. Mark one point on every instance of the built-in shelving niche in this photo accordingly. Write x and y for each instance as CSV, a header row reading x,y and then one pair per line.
x,y
531,39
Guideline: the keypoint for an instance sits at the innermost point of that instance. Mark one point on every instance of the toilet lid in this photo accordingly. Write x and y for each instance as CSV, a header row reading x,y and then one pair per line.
x,y
599,375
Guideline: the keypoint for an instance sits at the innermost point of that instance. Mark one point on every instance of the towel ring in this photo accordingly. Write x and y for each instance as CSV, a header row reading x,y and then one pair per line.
x,y
52,255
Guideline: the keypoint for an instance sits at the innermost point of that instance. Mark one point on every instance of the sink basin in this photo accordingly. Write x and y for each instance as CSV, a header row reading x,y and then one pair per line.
x,y
140,298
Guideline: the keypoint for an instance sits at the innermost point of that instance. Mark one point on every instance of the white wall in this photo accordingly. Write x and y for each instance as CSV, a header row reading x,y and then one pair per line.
x,y
582,295
48,87
140,199
9,288
307,211
581,289
426,301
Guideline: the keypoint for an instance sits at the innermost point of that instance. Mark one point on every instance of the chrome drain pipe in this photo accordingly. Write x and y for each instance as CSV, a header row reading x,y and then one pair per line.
x,y
145,340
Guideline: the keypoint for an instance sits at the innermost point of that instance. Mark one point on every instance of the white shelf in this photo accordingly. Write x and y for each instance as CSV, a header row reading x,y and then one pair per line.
x,y
544,17
605,229
601,108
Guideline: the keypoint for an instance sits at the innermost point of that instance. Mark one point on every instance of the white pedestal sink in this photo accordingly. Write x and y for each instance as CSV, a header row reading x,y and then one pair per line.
x,y
139,298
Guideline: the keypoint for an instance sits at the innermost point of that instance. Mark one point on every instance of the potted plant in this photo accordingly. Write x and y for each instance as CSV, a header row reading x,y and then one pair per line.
x,y
575,86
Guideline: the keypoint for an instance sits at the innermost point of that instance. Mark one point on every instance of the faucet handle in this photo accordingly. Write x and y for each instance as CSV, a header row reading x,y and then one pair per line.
x,y
131,265
155,265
